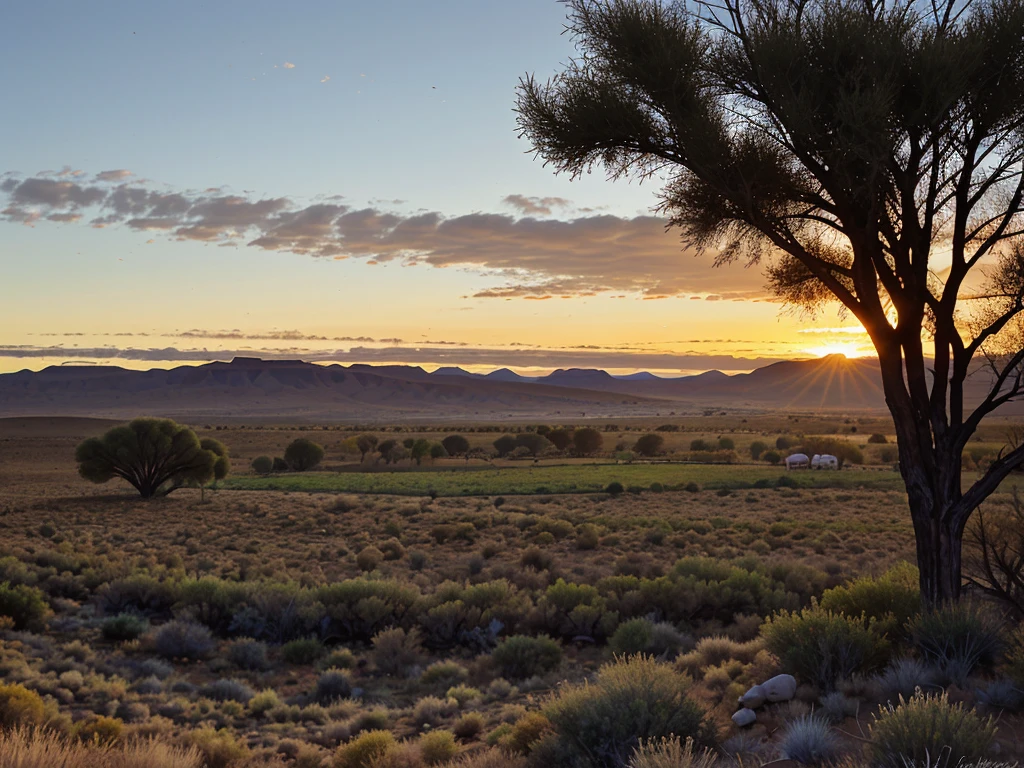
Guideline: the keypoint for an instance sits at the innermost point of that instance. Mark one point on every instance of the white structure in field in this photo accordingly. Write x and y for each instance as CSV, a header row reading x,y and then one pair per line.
x,y
824,461
798,461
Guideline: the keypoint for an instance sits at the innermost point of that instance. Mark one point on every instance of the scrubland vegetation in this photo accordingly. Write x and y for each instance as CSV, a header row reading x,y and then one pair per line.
x,y
590,629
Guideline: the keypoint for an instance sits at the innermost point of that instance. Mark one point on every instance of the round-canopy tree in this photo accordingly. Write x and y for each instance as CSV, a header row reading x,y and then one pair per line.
x,y
649,444
456,445
156,456
303,454
869,152
587,441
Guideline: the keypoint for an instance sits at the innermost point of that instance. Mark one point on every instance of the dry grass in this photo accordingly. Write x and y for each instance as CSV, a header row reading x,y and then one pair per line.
x,y
43,749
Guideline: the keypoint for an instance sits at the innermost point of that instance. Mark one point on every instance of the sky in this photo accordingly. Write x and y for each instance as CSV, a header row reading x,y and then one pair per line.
x,y
340,182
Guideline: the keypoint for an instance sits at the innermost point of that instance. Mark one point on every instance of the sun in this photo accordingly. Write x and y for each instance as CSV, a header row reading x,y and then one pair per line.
x,y
845,348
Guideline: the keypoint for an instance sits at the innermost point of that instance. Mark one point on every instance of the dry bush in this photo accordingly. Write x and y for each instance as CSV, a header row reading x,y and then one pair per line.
x,y
22,748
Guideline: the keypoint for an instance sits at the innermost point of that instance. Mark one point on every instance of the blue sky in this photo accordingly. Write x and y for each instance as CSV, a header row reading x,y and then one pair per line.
x,y
386,109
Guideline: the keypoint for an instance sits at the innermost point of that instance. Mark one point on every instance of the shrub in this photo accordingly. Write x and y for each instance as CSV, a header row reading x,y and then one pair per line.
x,y
526,732
444,673
893,599
263,702
25,605
632,637
615,488
25,748
365,750
396,650
248,654
123,627
821,647
184,640
430,710
438,747
757,448
904,676
772,457
332,685
302,454
587,536
536,558
1002,694
469,726
601,724
726,444
958,639
280,465
810,741
520,656
878,439
369,558
649,445
671,753
263,465
219,748
928,730
228,690
20,707
586,441
99,730
302,651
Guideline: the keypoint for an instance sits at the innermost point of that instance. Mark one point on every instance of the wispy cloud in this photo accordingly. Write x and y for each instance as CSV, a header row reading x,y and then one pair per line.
x,y
289,65
526,256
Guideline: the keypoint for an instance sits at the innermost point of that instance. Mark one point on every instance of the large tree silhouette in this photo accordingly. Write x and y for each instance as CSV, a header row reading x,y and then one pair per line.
x,y
868,152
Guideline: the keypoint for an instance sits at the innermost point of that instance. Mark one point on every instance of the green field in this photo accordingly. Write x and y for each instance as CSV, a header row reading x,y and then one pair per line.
x,y
578,478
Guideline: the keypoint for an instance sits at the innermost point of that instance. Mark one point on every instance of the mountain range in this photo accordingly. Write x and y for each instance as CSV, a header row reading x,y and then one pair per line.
x,y
250,388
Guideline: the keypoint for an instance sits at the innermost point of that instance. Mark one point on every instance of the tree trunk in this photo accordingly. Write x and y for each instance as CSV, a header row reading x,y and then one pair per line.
x,y
939,547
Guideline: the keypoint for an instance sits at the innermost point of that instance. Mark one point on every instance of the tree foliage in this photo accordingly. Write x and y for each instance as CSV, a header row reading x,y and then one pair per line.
x,y
587,441
303,454
865,153
156,456
456,445
504,445
649,445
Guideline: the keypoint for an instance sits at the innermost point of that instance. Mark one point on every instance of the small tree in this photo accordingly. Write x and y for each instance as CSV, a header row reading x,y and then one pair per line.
x,y
365,444
437,451
456,445
263,465
561,438
700,445
386,448
533,443
726,443
757,448
420,450
649,445
156,456
587,441
504,445
303,454
772,457
221,466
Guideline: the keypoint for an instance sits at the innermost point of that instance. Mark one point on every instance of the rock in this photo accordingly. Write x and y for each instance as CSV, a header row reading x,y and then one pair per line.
x,y
744,717
780,688
753,698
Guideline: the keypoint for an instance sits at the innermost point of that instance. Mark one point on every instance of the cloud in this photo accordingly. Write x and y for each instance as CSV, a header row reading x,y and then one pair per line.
x,y
546,359
325,78
289,65
535,206
117,175
525,256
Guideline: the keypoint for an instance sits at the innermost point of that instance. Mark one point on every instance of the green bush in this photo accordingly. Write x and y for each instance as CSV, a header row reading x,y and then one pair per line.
x,y
25,605
928,730
958,639
520,656
184,640
878,439
365,750
821,647
893,599
757,448
615,488
123,627
632,637
263,465
600,725
772,457
20,707
438,747
332,685
302,651
99,730
302,454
